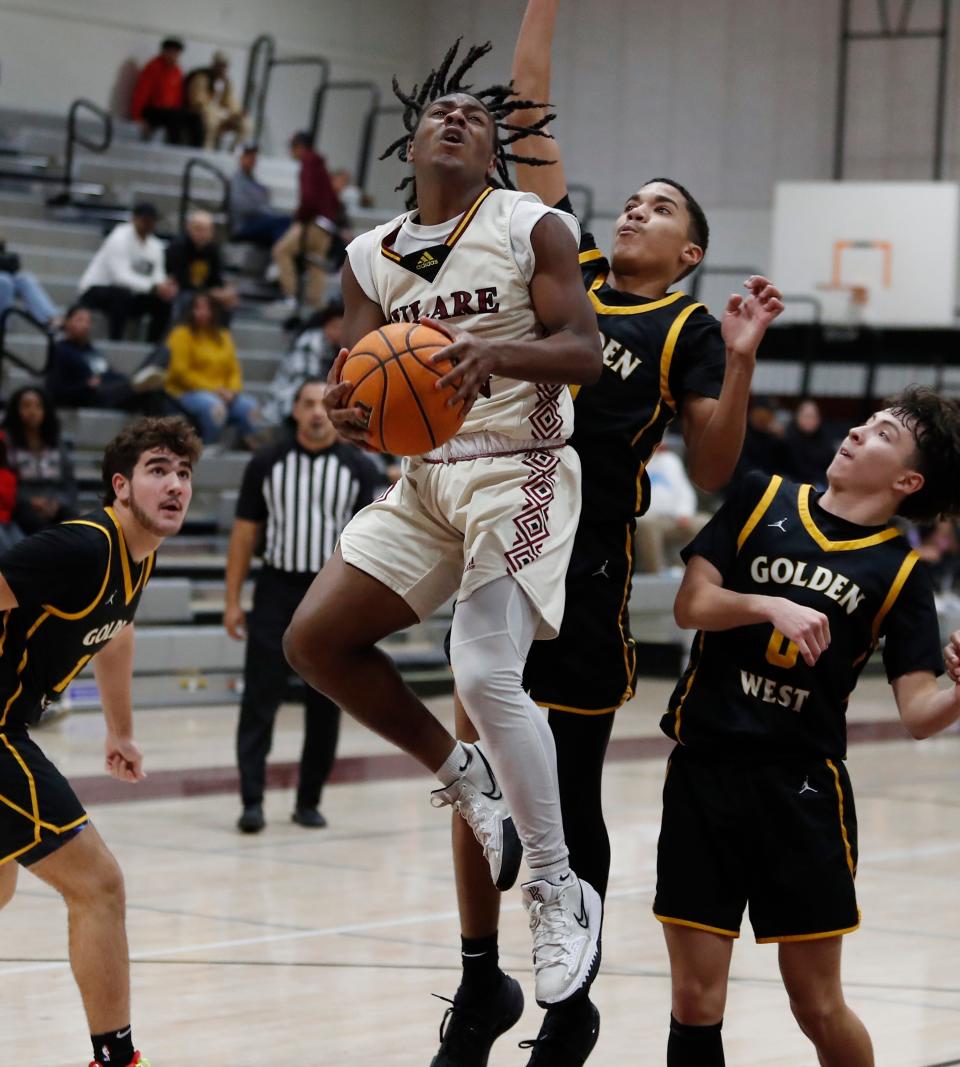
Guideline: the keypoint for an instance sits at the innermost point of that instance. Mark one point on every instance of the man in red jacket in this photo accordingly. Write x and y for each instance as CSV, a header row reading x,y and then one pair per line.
x,y
158,98
317,218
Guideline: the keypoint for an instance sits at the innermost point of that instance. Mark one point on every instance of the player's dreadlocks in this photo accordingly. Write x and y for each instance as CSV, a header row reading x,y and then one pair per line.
x,y
496,99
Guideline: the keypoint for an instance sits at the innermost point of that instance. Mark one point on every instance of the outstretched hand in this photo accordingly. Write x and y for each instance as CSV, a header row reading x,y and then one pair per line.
x,y
746,318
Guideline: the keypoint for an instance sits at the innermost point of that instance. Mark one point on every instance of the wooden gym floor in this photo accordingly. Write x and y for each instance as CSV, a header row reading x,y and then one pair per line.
x,y
323,947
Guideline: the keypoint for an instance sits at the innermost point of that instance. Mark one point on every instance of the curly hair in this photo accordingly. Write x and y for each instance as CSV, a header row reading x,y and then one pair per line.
x,y
171,432
934,422
496,100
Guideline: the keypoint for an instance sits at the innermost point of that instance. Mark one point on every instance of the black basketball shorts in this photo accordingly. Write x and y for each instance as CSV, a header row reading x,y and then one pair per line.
x,y
39,811
780,838
590,666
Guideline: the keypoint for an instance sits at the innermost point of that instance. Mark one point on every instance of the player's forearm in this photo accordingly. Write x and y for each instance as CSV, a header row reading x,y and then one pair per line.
x,y
930,709
531,56
113,670
567,357
705,606
712,457
239,558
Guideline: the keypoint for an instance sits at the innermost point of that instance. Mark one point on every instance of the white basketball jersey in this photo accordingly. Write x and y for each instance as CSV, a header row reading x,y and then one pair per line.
x,y
472,279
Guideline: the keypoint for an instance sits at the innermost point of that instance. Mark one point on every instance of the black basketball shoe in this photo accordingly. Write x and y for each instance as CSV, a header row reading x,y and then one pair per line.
x,y
566,1039
472,1023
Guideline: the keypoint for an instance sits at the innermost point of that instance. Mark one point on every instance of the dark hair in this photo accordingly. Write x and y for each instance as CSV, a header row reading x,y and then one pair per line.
x,y
314,379
699,231
144,210
302,138
202,294
171,432
333,309
72,310
496,100
171,42
934,422
12,423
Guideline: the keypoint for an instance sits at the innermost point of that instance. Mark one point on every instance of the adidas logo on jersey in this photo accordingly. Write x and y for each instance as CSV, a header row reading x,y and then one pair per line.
x,y
426,260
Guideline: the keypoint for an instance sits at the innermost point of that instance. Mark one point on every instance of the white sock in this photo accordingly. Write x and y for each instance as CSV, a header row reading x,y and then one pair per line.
x,y
551,873
454,765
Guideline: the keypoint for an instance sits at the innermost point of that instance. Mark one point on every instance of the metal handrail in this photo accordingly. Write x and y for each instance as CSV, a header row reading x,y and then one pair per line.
x,y
6,355
74,137
186,195
702,273
366,136
264,44
261,59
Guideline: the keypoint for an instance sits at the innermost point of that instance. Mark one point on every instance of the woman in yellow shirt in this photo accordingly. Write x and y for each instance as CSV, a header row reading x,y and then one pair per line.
x,y
204,374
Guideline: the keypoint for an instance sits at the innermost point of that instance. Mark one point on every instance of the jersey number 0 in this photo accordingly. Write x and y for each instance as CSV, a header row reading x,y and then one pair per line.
x,y
780,651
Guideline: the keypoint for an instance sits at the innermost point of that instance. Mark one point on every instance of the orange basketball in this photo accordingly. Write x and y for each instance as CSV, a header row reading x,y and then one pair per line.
x,y
395,381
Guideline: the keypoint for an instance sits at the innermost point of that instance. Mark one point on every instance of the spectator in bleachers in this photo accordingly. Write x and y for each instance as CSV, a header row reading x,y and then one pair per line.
x,y
127,277
209,93
194,262
46,488
251,217
10,532
158,98
17,284
672,520
204,375
764,448
809,445
316,220
80,375
311,356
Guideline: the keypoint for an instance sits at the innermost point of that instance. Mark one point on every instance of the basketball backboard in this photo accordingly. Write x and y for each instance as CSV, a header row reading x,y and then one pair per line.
x,y
880,253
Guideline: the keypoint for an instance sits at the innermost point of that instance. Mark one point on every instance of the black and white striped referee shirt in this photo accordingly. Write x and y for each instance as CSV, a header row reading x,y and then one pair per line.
x,y
304,500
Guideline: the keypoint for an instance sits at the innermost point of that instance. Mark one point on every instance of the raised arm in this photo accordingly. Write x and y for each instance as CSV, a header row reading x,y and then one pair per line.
x,y
531,80
713,429
704,604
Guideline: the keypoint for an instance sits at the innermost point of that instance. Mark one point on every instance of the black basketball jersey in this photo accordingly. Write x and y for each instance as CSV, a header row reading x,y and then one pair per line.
x,y
655,352
747,691
76,588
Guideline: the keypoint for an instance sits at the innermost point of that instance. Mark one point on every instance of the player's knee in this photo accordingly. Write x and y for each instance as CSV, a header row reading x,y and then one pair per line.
x,y
481,677
310,650
698,1000
97,884
817,1014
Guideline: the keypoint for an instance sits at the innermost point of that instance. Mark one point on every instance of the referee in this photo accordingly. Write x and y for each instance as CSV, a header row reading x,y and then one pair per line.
x,y
301,492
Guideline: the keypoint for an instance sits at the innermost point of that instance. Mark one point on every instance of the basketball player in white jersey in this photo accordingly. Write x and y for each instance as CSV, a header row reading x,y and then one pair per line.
x,y
489,517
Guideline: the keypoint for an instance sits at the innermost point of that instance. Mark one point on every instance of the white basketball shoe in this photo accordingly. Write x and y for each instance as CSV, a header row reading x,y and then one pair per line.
x,y
476,795
565,919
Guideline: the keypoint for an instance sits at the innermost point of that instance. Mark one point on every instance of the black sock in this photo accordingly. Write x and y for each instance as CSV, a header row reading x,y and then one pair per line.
x,y
575,1012
481,962
695,1046
114,1048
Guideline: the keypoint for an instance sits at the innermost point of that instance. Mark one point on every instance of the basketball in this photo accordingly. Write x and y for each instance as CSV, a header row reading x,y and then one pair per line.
x,y
394,380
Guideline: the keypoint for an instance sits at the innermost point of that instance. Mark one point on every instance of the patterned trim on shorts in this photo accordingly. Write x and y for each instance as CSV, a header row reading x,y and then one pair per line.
x,y
532,523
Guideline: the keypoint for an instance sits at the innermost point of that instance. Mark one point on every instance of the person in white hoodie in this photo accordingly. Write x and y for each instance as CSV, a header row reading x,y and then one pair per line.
x,y
127,277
